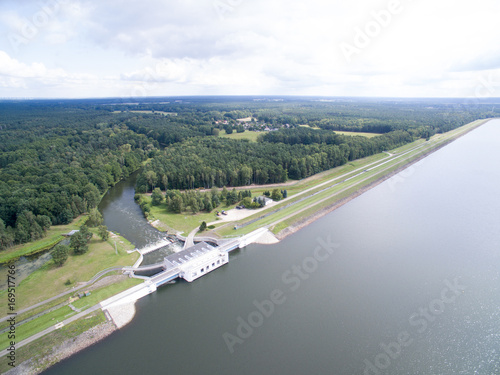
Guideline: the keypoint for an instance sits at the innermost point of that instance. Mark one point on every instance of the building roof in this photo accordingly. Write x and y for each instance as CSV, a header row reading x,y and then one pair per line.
x,y
177,259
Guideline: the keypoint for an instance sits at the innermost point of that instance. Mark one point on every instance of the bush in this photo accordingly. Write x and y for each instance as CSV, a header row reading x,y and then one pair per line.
x,y
103,232
79,244
60,254
203,226
95,218
156,197
276,195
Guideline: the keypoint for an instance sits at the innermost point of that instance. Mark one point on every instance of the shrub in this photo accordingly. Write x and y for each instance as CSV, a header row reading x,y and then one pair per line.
x,y
60,254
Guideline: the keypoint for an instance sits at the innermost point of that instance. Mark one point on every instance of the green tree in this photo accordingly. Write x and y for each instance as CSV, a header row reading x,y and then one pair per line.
x,y
86,233
156,197
177,205
95,218
151,178
209,206
78,243
164,181
194,206
91,195
103,232
224,193
203,226
6,236
60,254
276,195
247,202
232,197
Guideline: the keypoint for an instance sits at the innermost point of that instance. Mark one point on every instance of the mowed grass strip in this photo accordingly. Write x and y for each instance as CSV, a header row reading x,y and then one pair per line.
x,y
47,320
39,349
50,280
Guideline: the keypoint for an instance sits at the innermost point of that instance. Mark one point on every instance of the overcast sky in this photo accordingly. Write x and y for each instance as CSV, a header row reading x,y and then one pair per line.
x,y
122,48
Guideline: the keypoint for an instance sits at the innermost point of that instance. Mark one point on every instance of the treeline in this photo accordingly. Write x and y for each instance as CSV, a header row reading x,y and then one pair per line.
x,y
208,162
192,200
57,157
62,170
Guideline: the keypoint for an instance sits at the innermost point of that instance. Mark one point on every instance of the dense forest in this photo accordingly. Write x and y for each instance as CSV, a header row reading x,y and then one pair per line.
x,y
208,162
56,163
58,157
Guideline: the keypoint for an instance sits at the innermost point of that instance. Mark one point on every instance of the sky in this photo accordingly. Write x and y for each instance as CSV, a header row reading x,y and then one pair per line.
x,y
130,48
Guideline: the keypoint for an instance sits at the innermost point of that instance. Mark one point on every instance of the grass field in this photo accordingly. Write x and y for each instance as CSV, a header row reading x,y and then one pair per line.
x,y
184,222
39,349
50,280
367,135
39,324
250,135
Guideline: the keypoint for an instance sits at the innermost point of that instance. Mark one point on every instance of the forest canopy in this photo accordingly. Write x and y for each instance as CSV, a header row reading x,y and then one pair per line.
x,y
58,157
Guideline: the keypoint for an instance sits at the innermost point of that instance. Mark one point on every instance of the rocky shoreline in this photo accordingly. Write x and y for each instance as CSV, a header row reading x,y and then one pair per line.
x,y
65,350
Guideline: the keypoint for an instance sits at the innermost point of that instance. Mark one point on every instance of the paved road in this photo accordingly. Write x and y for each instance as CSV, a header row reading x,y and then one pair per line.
x,y
190,238
90,282
53,328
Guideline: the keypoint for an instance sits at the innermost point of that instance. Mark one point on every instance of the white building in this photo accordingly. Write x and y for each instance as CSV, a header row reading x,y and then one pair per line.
x,y
197,260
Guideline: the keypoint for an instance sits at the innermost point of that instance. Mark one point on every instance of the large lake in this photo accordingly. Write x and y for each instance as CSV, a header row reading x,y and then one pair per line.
x,y
402,280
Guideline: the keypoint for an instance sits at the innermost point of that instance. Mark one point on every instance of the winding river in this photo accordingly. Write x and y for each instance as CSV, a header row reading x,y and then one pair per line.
x,y
122,215
401,280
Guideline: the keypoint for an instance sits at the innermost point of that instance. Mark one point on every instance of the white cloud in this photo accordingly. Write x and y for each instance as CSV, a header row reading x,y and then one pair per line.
x,y
114,47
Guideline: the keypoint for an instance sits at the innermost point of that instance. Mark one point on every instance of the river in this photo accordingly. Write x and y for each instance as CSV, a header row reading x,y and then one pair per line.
x,y
122,215
401,280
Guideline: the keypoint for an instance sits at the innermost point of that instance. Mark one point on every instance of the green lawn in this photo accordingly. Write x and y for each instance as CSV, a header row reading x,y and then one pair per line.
x,y
50,280
106,292
250,135
368,135
184,222
45,321
41,348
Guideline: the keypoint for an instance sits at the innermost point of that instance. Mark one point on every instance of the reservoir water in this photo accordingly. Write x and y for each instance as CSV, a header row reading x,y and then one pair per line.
x,y
401,280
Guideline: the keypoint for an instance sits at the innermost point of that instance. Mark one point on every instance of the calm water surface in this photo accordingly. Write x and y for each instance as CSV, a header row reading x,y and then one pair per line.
x,y
411,287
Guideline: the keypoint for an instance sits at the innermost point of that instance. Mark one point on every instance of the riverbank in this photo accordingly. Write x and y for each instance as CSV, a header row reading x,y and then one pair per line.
x,y
304,222
65,350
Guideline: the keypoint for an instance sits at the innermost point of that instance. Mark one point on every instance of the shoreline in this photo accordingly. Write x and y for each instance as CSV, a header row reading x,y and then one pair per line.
x,y
65,350
302,223
120,316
